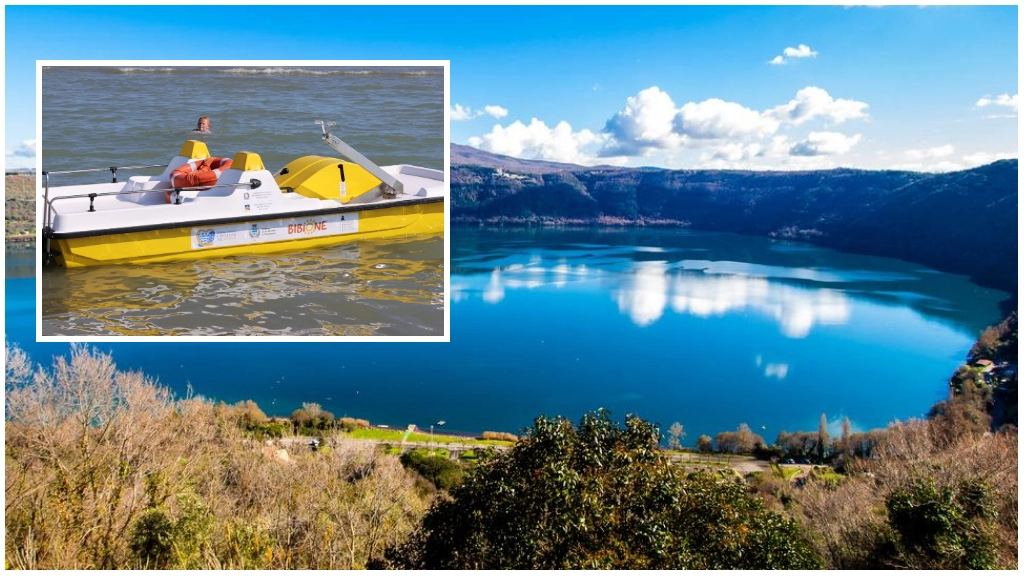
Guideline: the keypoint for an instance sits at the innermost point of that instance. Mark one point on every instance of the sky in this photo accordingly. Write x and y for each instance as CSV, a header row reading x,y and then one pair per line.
x,y
775,88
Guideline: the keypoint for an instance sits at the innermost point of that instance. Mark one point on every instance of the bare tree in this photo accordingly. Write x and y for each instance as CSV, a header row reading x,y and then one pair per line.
x,y
847,434
704,443
675,435
104,469
823,436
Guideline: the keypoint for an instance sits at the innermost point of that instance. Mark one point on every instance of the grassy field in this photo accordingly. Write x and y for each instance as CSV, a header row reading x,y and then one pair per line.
x,y
827,474
785,472
19,207
399,435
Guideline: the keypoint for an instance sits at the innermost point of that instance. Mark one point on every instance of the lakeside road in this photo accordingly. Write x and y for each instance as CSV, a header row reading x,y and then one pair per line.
x,y
741,464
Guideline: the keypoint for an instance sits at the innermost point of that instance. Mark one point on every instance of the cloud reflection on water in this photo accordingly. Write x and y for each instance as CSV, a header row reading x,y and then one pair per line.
x,y
647,289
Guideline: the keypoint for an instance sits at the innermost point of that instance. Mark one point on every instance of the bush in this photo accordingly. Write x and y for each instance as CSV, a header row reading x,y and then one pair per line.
x,y
499,436
934,528
441,471
598,495
350,424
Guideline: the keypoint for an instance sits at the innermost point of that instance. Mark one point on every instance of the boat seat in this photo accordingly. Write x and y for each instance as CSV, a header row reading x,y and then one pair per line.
x,y
242,163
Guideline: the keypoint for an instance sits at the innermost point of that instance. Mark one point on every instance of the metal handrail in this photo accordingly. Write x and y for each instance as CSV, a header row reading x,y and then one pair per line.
x,y
47,208
112,168
252,183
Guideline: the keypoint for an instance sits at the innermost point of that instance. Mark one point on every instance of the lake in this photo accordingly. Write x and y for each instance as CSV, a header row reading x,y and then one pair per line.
x,y
384,287
94,117
710,330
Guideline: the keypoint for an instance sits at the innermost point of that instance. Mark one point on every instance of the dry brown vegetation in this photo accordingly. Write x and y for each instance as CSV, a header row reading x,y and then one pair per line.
x,y
104,469
506,436
949,455
352,423
19,205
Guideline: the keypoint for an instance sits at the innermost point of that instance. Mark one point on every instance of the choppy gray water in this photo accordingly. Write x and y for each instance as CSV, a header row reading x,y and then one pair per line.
x,y
95,117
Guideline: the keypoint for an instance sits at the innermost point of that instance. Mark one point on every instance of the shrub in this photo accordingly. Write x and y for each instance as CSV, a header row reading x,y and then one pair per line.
x,y
349,424
441,471
598,495
499,436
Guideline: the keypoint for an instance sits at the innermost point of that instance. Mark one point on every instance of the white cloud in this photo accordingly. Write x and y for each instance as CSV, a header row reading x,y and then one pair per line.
x,y
824,144
21,156
651,121
716,118
495,111
801,51
538,140
646,122
732,152
813,102
1004,100
940,166
982,158
713,133
460,112
928,153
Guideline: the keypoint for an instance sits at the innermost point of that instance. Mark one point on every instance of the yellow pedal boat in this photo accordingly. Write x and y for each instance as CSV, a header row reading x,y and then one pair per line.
x,y
311,202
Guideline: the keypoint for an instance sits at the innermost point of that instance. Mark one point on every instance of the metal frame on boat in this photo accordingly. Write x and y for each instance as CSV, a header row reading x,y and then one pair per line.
x,y
311,202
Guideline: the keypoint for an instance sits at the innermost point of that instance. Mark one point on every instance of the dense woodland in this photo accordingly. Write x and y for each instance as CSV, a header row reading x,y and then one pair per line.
x,y
105,469
955,222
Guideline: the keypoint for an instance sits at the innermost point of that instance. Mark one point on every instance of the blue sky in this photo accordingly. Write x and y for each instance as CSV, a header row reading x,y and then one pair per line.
x,y
753,87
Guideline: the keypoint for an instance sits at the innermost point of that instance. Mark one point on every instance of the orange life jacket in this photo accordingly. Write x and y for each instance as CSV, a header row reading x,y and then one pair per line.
x,y
194,173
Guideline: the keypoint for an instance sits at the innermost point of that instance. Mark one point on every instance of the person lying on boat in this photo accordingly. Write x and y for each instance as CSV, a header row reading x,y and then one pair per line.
x,y
196,173
204,125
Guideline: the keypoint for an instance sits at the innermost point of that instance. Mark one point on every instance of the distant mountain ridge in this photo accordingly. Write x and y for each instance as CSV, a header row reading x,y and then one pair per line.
x,y
962,222
474,157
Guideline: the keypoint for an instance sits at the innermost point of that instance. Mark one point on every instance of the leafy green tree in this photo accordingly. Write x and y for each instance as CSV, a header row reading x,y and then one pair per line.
x,y
933,528
598,495
442,472
152,539
160,541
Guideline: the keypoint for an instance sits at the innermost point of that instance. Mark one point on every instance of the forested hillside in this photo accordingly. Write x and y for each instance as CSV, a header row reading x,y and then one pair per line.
x,y
961,222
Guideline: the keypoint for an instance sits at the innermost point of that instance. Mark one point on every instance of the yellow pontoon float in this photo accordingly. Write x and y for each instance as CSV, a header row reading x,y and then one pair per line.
x,y
313,201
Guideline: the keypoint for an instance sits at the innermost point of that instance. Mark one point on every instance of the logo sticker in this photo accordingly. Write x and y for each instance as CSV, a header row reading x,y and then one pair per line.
x,y
205,236
254,232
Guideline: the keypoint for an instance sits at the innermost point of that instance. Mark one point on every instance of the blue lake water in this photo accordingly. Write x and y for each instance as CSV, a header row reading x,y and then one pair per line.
x,y
711,330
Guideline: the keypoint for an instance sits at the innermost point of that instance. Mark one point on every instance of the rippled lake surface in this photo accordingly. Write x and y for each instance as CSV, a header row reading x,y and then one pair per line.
x,y
100,116
140,115
710,330
365,288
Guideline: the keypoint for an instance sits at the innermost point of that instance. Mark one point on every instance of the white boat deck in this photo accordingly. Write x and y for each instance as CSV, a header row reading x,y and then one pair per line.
x,y
139,205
